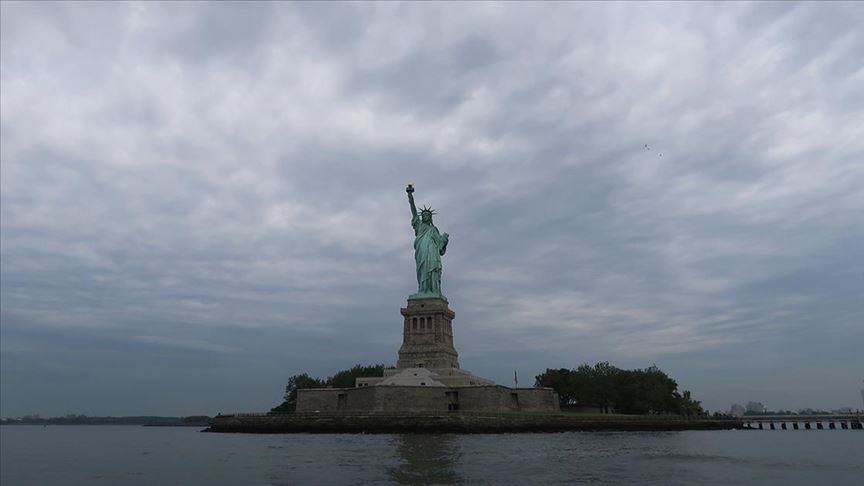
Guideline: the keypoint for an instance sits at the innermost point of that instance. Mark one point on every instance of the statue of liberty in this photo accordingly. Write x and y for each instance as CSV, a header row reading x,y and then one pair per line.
x,y
429,247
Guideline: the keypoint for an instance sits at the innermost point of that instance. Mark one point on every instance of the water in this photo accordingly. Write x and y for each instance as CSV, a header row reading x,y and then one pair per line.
x,y
128,455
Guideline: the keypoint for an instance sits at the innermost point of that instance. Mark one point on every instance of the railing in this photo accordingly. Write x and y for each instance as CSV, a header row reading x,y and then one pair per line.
x,y
797,422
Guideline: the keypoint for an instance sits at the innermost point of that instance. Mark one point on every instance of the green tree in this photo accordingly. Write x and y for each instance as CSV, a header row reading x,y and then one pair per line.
x,y
561,381
342,379
295,383
605,377
346,378
638,391
689,406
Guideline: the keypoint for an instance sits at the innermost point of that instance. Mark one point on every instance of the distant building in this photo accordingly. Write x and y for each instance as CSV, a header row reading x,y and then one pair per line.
x,y
755,407
812,411
736,410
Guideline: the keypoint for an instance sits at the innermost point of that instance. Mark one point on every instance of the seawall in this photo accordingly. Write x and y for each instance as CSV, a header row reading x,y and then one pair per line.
x,y
459,422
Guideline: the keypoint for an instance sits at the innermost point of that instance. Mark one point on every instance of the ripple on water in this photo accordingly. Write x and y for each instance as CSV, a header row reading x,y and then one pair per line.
x,y
133,455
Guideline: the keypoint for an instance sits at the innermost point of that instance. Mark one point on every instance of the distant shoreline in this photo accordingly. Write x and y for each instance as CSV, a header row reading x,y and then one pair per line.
x,y
140,420
101,425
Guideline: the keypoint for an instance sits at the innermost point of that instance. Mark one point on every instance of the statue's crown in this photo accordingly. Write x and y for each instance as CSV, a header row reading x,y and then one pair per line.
x,y
427,210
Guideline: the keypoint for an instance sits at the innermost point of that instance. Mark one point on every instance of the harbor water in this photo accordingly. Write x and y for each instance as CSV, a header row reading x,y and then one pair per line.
x,y
130,455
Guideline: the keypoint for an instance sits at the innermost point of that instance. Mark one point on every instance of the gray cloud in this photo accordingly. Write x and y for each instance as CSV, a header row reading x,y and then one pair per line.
x,y
199,200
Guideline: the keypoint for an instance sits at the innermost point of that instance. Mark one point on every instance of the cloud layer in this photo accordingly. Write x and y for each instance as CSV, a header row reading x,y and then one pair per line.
x,y
199,200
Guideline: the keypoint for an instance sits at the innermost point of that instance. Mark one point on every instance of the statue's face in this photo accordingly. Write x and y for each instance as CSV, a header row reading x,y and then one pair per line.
x,y
426,217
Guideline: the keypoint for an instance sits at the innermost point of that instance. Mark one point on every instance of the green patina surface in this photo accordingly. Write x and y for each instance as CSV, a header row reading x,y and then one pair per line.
x,y
429,246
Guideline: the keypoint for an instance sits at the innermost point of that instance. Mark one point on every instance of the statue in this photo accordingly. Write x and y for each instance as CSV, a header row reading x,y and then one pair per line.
x,y
429,247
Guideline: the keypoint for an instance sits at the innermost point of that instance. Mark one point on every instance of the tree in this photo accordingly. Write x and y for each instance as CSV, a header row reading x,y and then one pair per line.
x,y
346,378
688,406
342,379
638,391
295,383
605,378
560,380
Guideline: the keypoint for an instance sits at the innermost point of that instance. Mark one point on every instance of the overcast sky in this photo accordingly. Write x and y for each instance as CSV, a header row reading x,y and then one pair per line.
x,y
200,200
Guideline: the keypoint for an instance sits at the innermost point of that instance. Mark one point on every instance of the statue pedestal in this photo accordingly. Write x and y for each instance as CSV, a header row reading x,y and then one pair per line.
x,y
427,336
427,378
427,296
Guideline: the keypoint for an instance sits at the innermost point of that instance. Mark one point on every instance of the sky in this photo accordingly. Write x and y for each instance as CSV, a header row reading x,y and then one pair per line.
x,y
202,199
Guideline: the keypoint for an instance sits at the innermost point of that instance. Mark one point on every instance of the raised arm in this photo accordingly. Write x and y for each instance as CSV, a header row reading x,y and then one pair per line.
x,y
410,191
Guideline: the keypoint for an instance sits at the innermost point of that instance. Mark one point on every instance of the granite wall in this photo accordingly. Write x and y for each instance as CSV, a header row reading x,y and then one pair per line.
x,y
412,399
472,422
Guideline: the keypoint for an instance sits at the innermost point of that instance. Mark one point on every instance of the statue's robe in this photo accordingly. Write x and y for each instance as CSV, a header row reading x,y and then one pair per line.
x,y
429,245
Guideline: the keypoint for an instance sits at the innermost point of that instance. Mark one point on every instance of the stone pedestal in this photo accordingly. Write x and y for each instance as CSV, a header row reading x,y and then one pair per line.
x,y
427,336
427,377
